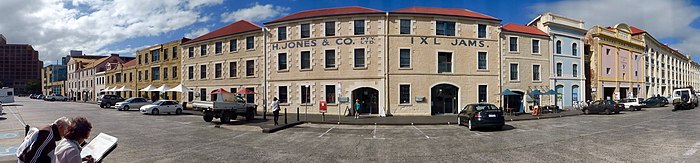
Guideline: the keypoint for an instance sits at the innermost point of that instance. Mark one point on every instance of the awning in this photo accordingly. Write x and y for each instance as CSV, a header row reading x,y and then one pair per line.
x,y
507,92
180,88
123,89
147,89
245,91
220,90
162,88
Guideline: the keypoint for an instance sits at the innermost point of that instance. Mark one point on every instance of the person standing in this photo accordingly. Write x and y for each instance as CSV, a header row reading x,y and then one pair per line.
x,y
357,108
275,105
39,144
68,149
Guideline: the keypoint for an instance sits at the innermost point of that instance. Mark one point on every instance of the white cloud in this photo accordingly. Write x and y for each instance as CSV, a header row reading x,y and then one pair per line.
x,y
54,27
196,33
254,13
662,19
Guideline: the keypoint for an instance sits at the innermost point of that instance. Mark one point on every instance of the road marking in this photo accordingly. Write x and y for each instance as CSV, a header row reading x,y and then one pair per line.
x,y
374,133
326,131
426,136
8,151
692,150
15,114
9,135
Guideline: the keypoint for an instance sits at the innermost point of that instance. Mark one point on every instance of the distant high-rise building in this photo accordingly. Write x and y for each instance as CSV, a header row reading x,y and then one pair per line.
x,y
20,67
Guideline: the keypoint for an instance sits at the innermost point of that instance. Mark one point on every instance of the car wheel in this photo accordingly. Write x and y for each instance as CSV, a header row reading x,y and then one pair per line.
x,y
586,111
155,112
178,111
608,112
208,118
225,118
108,106
469,125
126,107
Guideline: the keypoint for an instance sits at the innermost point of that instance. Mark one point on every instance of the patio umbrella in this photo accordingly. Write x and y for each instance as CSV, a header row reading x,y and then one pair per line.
x,y
162,88
551,92
507,92
220,90
245,91
536,92
123,88
147,89
180,88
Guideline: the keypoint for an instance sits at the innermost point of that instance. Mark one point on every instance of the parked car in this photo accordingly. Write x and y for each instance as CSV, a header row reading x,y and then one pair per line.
x,y
162,106
0,107
655,102
134,102
40,97
55,97
684,98
107,101
481,115
632,104
603,106
31,96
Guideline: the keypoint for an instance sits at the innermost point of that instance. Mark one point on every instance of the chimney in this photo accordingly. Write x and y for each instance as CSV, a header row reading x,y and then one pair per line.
x,y
114,55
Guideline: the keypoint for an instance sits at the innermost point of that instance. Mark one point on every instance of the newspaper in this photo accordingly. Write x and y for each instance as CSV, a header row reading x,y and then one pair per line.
x,y
99,147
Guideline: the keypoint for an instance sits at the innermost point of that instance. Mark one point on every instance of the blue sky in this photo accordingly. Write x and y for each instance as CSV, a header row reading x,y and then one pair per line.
x,y
101,27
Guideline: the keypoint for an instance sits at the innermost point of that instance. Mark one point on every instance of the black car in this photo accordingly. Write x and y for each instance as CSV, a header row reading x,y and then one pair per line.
x,y
603,106
107,101
482,115
656,102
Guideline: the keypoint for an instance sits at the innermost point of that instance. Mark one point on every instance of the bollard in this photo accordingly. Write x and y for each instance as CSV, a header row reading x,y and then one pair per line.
x,y
26,130
285,116
297,114
265,113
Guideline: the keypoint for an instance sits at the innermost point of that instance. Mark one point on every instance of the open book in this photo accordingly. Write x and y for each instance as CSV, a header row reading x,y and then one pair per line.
x,y
99,147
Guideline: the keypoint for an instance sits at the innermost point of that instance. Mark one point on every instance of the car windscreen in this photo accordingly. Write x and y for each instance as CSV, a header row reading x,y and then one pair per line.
x,y
158,102
484,107
133,99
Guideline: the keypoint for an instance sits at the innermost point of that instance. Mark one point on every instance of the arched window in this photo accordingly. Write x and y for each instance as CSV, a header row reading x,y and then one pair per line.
x,y
574,93
558,50
574,49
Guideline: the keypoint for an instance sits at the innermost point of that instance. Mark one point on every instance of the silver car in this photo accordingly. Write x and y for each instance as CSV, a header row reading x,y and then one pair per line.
x,y
134,102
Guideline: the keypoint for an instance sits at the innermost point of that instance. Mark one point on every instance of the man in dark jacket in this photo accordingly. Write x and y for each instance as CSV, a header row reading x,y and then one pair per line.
x,y
40,143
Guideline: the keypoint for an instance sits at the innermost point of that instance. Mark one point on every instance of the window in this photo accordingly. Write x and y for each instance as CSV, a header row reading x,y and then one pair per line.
x,y
232,69
481,30
281,33
404,94
359,58
250,98
155,73
190,96
165,73
139,75
559,69
330,58
536,72
174,52
405,58
574,49
165,54
359,27
190,52
250,43
233,45
190,73
513,71
282,93
575,70
513,46
119,77
217,70
444,62
535,46
217,47
233,90
483,63
250,68
607,71
282,61
139,58
305,30
330,94
202,50
305,60
558,47
405,26
330,28
202,71
305,94
445,28
155,55
131,77
203,94
482,93
174,72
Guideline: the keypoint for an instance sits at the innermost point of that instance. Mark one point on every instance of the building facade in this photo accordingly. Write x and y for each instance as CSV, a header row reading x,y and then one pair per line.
x,y
81,76
616,63
525,62
122,75
53,79
157,66
566,42
229,58
20,67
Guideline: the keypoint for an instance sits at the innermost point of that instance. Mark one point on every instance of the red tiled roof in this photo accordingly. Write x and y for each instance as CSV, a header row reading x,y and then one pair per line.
x,y
444,11
523,29
636,30
130,63
327,12
233,28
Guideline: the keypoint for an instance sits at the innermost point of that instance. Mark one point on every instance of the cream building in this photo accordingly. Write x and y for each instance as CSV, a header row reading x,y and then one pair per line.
x,y
81,76
156,66
666,68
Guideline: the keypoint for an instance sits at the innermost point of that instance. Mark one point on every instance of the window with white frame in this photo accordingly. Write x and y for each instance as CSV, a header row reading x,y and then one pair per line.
x,y
305,94
282,61
330,94
233,45
404,58
330,58
404,94
513,44
536,72
535,46
405,26
330,28
217,47
481,29
282,93
482,61
359,27
202,71
305,60
444,62
282,33
217,70
305,30
232,69
359,57
514,71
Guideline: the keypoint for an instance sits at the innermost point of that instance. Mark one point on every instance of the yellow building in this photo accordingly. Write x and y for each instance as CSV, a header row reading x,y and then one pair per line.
x,y
158,66
120,75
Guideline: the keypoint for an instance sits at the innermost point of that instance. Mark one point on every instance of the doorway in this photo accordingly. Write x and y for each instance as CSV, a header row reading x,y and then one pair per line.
x,y
368,98
444,99
515,101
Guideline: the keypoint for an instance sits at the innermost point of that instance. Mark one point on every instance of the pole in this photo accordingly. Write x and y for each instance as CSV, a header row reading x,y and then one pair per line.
x,y
265,74
297,114
285,115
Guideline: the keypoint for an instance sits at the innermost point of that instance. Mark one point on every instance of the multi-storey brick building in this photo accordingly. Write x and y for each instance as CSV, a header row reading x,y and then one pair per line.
x,y
20,67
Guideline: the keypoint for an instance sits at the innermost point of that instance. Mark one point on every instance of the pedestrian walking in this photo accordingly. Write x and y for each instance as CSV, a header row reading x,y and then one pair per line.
x,y
39,144
357,108
68,149
275,105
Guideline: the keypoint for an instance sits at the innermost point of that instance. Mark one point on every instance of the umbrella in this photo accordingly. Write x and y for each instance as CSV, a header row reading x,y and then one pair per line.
x,y
220,90
245,91
162,88
147,89
507,92
551,92
123,88
536,92
180,88
105,90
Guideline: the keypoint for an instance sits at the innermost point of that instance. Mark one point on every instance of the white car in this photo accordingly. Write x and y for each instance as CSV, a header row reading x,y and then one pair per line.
x,y
134,102
162,106
55,97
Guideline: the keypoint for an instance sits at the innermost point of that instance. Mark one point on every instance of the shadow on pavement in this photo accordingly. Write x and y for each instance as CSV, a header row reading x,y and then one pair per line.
x,y
487,129
3,118
242,121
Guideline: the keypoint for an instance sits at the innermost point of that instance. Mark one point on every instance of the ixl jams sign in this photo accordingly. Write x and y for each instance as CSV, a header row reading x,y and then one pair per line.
x,y
323,42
